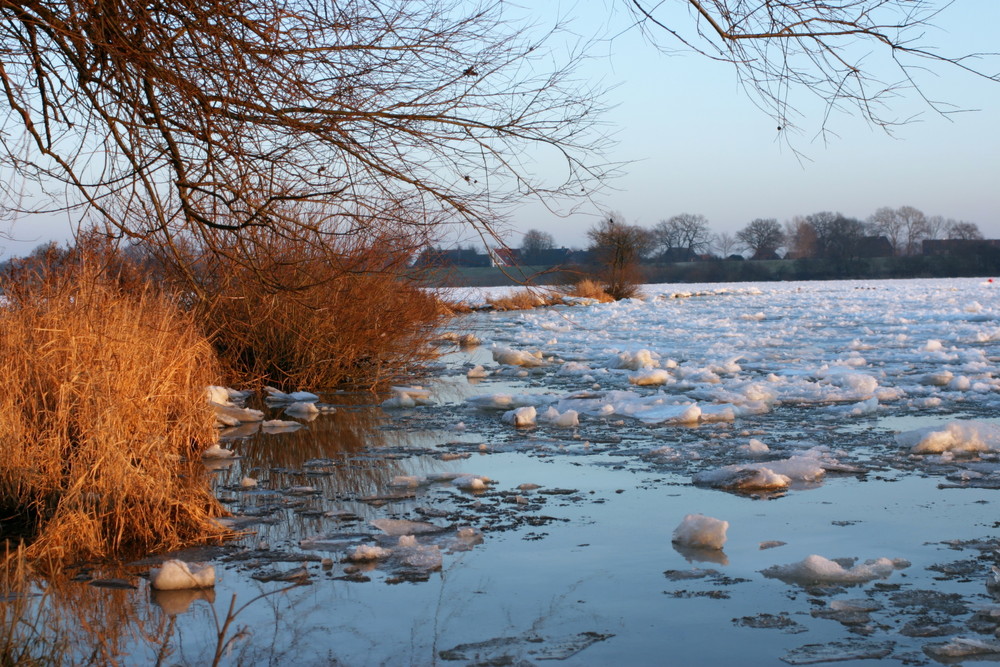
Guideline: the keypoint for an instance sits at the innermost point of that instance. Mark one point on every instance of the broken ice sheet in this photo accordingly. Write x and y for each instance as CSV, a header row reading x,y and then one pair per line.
x,y
514,650
814,654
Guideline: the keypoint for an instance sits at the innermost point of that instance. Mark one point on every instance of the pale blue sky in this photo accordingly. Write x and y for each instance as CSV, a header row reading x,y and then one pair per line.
x,y
697,144
700,146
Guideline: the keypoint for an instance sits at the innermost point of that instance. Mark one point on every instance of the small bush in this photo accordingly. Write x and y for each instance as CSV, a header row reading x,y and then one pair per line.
x,y
303,317
103,406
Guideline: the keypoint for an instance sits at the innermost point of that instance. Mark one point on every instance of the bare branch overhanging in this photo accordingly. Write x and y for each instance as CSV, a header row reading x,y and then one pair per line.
x,y
786,51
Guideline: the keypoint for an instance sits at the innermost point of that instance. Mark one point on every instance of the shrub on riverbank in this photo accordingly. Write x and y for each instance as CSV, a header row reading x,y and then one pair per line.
x,y
303,318
103,409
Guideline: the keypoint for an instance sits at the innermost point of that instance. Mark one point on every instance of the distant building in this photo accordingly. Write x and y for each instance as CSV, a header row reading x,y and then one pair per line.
x,y
464,257
874,246
548,258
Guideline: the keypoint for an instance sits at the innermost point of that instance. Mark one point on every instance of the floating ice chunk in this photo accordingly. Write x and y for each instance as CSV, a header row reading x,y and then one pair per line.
x,y
408,397
248,483
939,379
743,478
302,409
637,360
862,409
816,569
471,482
958,436
368,552
701,532
652,376
219,395
408,481
275,395
217,452
175,575
521,417
960,383
230,415
963,647
567,419
407,541
573,368
275,426
933,346
420,557
511,357
753,448
477,373
505,401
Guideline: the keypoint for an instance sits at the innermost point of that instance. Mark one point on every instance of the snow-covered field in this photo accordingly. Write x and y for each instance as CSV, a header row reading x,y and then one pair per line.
x,y
746,474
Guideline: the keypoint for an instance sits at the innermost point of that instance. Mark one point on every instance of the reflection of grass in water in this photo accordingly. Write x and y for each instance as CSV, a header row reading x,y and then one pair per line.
x,y
58,620
341,450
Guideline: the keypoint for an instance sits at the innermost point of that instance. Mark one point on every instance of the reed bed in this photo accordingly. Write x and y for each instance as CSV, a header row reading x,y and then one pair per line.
x,y
104,418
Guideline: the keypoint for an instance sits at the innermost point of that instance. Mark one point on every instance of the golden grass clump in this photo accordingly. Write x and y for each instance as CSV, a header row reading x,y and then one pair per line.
x,y
103,408
589,288
524,299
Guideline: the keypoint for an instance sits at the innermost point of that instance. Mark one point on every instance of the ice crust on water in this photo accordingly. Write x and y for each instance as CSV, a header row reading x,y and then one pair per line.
x,y
963,437
815,569
701,532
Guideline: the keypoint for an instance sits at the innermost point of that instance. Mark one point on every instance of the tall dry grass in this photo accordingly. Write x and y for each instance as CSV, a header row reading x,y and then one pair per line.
x,y
103,408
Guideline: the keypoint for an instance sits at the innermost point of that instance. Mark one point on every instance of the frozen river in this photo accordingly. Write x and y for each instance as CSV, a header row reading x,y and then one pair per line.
x,y
523,509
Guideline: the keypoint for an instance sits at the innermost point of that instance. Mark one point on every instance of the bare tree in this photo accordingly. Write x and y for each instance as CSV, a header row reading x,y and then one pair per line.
x,y
195,124
915,229
837,237
967,231
617,248
682,237
725,244
762,237
534,244
839,52
885,221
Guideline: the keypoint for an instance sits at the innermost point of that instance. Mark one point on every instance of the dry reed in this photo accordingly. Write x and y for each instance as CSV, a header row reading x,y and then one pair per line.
x,y
524,299
104,411
589,288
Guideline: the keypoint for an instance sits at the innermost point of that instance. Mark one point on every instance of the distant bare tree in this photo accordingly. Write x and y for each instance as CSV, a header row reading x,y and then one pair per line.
x,y
837,236
836,51
681,237
762,237
915,228
905,227
534,243
617,247
967,231
937,226
725,244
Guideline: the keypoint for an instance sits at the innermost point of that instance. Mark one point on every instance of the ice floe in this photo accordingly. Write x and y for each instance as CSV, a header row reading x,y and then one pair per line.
x,y
815,569
701,532
174,575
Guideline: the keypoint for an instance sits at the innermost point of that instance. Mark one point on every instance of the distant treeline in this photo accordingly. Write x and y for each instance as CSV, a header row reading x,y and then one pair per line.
x,y
967,259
